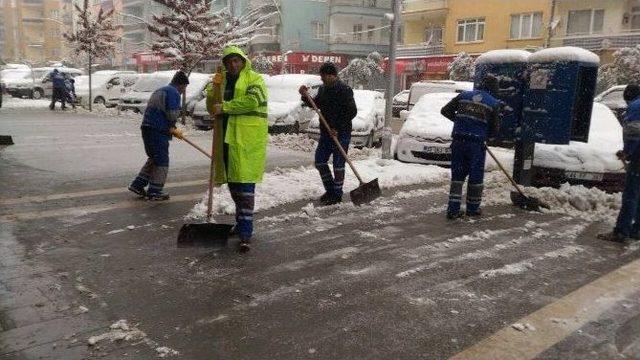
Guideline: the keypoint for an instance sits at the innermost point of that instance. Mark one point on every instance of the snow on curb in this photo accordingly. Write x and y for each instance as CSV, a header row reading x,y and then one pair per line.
x,y
122,331
284,186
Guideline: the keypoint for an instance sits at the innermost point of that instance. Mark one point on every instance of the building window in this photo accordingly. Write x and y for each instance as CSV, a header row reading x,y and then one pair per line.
x,y
585,21
471,30
635,18
526,26
370,33
433,35
318,29
357,32
372,3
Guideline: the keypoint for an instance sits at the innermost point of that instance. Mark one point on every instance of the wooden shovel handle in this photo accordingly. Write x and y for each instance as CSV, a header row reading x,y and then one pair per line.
x,y
504,171
196,146
335,139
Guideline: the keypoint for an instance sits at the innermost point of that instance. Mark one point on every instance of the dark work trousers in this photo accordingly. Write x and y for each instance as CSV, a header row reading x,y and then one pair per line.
x,y
58,94
154,171
467,160
628,223
326,148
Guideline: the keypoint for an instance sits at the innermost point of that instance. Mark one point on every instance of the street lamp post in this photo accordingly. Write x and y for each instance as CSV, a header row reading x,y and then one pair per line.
x,y
386,133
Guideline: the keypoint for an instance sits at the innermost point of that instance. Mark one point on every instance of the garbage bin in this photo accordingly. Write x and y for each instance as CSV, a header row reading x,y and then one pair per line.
x,y
559,97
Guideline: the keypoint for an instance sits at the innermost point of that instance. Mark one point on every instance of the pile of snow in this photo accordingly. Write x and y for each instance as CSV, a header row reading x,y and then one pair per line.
x,y
598,155
118,331
567,53
425,121
298,142
503,57
284,186
10,103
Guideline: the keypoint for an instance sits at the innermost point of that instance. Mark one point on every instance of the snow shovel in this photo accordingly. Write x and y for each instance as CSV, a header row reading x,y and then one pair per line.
x,y
518,198
366,192
208,233
184,138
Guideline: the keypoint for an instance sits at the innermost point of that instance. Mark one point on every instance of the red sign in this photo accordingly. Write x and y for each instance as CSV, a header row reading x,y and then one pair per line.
x,y
309,58
148,58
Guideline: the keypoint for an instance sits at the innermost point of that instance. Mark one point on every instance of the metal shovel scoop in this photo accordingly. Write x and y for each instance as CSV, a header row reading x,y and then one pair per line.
x,y
366,192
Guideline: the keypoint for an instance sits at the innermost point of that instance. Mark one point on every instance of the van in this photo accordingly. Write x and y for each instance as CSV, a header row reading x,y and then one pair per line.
x,y
107,87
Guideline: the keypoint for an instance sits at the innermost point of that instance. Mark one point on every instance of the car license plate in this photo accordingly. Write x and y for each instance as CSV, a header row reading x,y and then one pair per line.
x,y
437,149
579,175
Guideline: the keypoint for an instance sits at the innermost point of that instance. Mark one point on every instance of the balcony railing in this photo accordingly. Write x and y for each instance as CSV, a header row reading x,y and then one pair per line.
x,y
600,41
419,50
415,6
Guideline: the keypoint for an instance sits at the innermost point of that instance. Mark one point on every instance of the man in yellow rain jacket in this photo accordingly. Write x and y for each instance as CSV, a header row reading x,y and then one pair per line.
x,y
240,128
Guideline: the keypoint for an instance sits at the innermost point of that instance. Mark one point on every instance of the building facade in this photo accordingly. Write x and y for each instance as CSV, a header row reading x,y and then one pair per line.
x,y
31,31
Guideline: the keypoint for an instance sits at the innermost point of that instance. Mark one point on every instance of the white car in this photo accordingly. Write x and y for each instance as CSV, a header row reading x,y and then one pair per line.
x,y
418,89
140,93
107,87
18,82
592,164
195,91
368,123
286,110
425,136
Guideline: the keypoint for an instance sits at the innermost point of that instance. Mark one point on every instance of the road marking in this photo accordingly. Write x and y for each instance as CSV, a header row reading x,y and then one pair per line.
x,y
92,209
575,310
72,195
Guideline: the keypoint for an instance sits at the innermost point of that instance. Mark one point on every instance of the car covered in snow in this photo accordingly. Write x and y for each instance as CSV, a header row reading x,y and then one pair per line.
x,y
613,99
368,123
425,136
400,102
418,89
592,164
140,93
286,110
18,82
107,87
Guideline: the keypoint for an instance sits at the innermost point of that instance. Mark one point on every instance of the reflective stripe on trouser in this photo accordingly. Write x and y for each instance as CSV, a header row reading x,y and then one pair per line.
x,y
467,160
243,196
326,148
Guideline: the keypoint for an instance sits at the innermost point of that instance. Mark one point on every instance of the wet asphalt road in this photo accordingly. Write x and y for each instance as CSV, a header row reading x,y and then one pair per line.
x,y
392,279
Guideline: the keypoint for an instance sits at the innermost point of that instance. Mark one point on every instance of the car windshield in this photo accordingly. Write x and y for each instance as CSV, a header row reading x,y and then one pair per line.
x,y
614,96
418,91
8,75
151,82
40,74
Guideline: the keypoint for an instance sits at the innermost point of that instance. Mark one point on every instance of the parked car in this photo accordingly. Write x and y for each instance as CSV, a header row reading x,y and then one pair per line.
x,y
18,82
592,164
400,102
425,136
44,87
106,87
195,91
286,110
368,123
418,89
613,99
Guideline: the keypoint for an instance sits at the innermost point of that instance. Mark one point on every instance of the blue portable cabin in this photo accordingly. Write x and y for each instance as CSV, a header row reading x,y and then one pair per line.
x,y
509,67
559,97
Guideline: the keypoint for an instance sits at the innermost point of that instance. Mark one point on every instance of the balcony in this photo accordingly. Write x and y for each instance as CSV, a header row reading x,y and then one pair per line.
x,y
424,8
343,45
600,41
360,10
419,50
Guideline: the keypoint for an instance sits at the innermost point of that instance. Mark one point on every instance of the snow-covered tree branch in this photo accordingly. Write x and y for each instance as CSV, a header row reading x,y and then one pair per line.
x,y
190,32
625,69
363,73
462,68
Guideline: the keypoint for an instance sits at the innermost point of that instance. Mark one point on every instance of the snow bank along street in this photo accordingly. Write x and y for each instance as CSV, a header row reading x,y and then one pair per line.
x,y
90,271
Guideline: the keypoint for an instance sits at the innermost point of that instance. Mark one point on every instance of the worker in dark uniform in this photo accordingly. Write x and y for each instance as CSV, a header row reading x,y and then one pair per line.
x,y
474,113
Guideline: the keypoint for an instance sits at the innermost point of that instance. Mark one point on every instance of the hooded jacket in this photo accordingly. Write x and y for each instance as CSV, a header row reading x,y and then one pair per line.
x,y
246,134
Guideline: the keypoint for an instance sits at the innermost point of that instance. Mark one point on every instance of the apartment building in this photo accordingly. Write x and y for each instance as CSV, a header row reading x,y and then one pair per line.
x,y
31,31
359,27
436,30
602,26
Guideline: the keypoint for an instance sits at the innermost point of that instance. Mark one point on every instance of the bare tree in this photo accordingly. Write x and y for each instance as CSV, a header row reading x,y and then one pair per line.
x,y
94,37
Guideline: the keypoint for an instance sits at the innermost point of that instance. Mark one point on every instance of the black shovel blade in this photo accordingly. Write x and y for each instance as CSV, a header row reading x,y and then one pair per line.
x,y
365,193
6,140
527,202
206,234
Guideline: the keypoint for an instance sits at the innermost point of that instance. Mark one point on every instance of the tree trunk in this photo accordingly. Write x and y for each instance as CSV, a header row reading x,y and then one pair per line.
x,y
90,93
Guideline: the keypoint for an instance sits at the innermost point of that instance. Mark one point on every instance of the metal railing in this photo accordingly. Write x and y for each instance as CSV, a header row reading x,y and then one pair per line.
x,y
419,50
600,41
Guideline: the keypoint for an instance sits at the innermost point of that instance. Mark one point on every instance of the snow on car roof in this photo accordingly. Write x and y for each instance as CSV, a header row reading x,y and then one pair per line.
x,y
503,56
197,82
425,120
284,88
567,53
598,155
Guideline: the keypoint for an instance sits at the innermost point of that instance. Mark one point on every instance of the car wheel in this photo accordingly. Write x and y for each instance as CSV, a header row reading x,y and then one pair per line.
x,y
203,127
37,94
99,100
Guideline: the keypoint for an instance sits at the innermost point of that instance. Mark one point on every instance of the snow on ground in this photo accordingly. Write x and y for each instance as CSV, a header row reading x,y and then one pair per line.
x,y
298,142
12,104
9,103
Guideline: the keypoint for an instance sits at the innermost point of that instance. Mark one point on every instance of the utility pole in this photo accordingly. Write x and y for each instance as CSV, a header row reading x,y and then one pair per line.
x,y
550,29
386,132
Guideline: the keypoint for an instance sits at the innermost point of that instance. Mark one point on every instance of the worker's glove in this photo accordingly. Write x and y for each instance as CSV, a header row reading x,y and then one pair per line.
x,y
303,90
177,133
621,155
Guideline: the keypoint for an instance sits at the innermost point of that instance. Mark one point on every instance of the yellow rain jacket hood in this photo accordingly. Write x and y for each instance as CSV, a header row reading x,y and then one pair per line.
x,y
247,128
